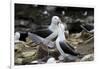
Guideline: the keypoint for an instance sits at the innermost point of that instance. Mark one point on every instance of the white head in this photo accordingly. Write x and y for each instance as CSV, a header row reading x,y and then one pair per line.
x,y
56,20
17,35
54,23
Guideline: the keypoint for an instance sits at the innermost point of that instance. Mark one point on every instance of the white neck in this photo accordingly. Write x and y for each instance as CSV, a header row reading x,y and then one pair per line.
x,y
61,30
53,27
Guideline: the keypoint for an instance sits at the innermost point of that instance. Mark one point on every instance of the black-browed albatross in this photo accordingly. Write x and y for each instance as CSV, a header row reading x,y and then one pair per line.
x,y
50,29
67,52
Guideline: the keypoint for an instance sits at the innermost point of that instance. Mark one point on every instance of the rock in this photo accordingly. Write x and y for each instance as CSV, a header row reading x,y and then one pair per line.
x,y
51,60
77,35
24,54
89,20
35,62
75,43
88,57
28,60
19,46
28,53
18,61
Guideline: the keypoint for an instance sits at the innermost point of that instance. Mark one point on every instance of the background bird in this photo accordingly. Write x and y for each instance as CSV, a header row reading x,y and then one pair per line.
x,y
16,36
20,36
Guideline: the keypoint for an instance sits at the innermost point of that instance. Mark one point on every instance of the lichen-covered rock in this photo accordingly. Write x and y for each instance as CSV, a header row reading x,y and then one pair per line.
x,y
89,57
18,60
28,54
19,46
24,53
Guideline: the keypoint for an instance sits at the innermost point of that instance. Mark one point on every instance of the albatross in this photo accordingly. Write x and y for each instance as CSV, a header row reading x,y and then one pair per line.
x,y
67,52
20,36
50,32
50,29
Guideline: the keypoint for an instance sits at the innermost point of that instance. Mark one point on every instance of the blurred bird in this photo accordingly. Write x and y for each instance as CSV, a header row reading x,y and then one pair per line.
x,y
63,12
16,36
20,36
45,12
85,13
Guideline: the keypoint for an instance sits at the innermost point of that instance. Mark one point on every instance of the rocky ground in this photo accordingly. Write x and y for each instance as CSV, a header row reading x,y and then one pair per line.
x,y
29,52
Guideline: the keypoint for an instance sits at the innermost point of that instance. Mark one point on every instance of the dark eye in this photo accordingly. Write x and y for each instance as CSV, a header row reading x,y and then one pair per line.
x,y
57,23
55,18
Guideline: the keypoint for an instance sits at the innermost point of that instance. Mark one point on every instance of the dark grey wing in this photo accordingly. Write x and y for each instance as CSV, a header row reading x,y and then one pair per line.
x,y
43,32
35,38
67,49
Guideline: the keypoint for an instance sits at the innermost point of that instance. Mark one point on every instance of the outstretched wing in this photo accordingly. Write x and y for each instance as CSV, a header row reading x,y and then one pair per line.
x,y
43,32
35,38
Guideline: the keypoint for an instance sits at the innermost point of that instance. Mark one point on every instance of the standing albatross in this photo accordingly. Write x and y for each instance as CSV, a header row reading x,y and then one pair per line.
x,y
67,52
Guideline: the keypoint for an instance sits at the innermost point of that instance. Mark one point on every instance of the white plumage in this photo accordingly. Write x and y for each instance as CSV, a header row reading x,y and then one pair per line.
x,y
65,49
16,36
54,23
61,37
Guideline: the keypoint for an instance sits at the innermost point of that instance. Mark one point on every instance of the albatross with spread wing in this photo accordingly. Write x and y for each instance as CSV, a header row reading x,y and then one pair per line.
x,y
50,29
